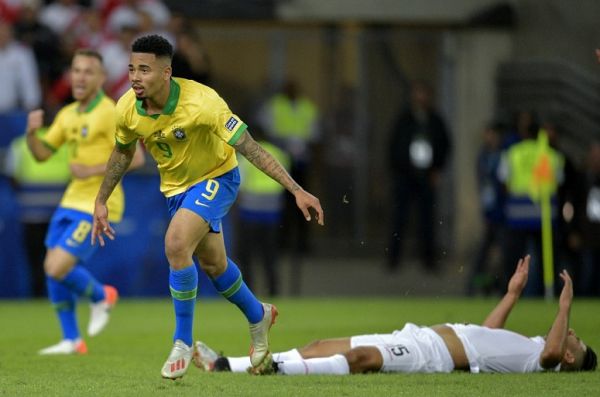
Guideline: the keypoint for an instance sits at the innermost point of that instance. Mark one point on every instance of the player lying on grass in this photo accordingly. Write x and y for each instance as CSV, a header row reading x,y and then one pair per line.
x,y
439,348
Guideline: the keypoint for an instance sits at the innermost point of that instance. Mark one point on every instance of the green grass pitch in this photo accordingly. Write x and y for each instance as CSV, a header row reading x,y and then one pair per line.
x,y
126,359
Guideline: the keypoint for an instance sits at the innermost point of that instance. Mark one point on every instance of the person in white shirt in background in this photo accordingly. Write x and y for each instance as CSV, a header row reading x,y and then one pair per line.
x,y
19,78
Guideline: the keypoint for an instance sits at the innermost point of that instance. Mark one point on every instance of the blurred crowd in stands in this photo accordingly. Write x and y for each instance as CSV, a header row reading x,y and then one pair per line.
x,y
507,168
38,38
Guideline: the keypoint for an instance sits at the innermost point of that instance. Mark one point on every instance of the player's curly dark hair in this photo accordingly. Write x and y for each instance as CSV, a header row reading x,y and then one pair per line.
x,y
153,44
590,361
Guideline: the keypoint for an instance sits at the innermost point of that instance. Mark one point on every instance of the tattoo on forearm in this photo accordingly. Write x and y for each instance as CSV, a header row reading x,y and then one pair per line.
x,y
266,163
115,169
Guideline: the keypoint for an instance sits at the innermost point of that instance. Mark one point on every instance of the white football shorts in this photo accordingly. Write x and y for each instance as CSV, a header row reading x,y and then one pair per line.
x,y
412,349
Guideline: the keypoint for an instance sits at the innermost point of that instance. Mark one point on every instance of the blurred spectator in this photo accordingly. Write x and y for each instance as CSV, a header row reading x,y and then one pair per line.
x,y
491,201
19,78
61,16
525,124
340,155
523,233
30,31
116,61
291,121
419,147
178,23
105,7
567,251
126,14
190,61
589,223
39,189
9,10
147,25
90,32
261,202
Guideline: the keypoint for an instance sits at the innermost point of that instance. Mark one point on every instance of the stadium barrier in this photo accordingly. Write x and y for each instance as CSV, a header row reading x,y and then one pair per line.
x,y
135,262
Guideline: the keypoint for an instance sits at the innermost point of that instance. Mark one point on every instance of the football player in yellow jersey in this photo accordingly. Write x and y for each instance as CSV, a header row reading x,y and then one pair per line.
x,y
193,136
87,126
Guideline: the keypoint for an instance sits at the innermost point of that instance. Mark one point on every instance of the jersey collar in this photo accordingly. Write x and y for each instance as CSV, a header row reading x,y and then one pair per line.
x,y
169,106
94,102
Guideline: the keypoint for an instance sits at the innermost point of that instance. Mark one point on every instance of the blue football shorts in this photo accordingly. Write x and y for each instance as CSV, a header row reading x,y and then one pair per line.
x,y
210,199
71,230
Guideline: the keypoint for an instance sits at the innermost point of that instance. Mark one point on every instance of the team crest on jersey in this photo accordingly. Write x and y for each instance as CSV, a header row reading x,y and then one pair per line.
x,y
231,123
179,133
84,131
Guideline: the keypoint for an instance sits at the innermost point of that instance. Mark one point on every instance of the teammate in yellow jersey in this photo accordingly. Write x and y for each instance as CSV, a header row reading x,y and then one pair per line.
x,y
87,126
193,136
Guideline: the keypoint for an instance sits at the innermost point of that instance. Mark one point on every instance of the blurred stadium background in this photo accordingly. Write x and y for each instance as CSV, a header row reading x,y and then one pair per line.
x,y
486,59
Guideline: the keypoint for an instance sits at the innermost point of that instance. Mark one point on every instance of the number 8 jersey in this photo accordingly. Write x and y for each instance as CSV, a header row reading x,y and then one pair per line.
x,y
190,140
89,136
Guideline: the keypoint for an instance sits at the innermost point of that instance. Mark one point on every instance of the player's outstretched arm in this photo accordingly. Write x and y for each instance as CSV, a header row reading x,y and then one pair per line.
x,y
265,162
498,316
556,340
118,163
35,121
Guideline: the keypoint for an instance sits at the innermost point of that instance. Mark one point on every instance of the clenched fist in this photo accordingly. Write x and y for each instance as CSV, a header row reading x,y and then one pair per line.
x,y
35,121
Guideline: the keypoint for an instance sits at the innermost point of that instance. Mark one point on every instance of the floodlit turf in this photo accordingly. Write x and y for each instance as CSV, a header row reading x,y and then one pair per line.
x,y
126,359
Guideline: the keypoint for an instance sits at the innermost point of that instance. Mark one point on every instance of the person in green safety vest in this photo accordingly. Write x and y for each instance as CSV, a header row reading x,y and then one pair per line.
x,y
291,121
522,213
261,202
39,188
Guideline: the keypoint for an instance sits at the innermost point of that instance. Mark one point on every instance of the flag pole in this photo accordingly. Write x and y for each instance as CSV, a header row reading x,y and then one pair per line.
x,y
542,179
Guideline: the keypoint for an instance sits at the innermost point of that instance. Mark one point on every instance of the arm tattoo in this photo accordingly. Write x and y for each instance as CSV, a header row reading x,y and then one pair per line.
x,y
265,162
115,168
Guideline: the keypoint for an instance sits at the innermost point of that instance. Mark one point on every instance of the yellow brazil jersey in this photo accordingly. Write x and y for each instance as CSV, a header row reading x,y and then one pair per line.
x,y
90,136
190,140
